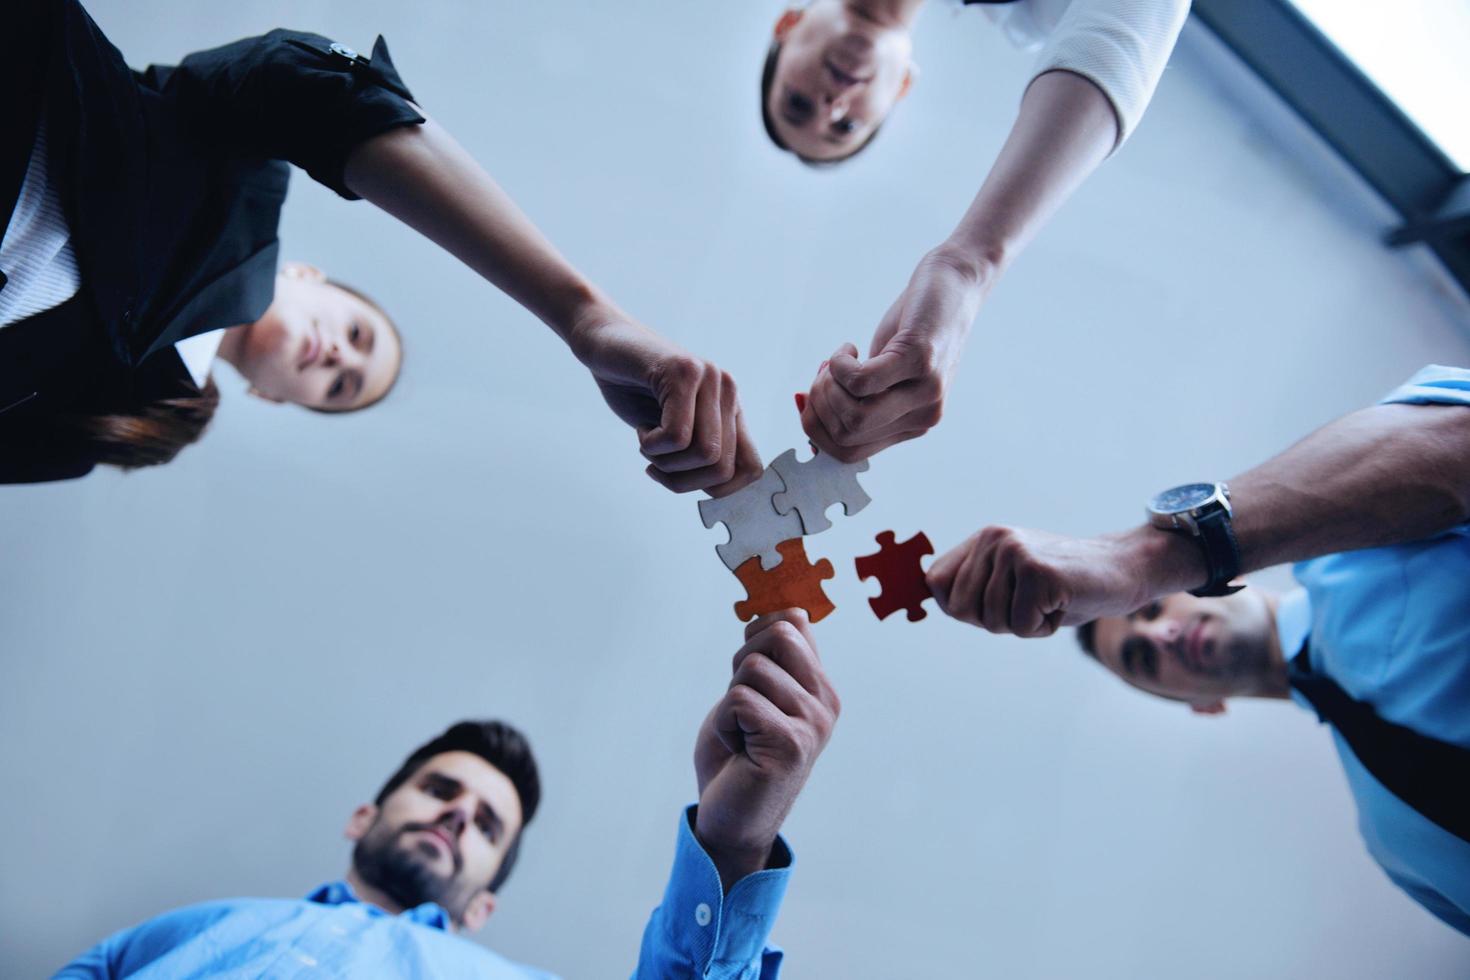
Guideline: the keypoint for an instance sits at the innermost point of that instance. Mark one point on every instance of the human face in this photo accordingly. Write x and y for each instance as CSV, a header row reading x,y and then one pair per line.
x,y
318,346
839,73
1192,649
441,836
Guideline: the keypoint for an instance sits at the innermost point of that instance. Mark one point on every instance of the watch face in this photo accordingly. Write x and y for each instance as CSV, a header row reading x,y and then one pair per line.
x,y
1176,500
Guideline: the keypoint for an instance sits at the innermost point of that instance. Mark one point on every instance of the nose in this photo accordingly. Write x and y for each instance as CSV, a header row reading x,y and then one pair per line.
x,y
1164,631
333,356
454,821
837,103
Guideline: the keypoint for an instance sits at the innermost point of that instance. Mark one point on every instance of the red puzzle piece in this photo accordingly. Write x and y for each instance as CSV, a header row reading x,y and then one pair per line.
x,y
897,567
793,583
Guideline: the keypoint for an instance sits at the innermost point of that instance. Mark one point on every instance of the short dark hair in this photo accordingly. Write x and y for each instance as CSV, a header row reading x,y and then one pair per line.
x,y
1087,637
768,78
497,743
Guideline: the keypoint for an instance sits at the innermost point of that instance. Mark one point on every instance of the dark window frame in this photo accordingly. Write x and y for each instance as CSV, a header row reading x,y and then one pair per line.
x,y
1366,128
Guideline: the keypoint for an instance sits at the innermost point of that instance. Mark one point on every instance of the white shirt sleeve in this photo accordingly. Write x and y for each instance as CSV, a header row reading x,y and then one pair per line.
x,y
1121,46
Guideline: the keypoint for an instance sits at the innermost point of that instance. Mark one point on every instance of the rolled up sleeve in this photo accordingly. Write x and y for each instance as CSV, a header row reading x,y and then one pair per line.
x,y
292,96
698,931
1121,46
1435,384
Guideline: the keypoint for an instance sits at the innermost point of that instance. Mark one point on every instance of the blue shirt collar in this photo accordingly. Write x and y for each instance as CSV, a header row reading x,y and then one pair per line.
x,y
1293,622
340,893
1293,625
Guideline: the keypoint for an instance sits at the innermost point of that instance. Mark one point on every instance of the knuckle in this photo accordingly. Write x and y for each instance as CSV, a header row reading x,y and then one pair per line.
x,y
741,695
687,369
707,449
849,418
785,633
756,664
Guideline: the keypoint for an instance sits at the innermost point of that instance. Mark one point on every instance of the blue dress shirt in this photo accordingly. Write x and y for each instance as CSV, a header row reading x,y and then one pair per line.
x,y
1392,627
697,931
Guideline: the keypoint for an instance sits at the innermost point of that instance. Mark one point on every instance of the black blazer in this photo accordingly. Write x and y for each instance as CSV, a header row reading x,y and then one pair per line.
x,y
172,180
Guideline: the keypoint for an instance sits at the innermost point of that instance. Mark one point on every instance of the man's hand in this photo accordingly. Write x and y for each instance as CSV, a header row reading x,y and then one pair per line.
x,y
858,408
1010,580
757,745
685,410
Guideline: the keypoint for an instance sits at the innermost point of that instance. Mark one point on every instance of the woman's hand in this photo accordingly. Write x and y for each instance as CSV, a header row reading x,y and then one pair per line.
x,y
858,408
685,410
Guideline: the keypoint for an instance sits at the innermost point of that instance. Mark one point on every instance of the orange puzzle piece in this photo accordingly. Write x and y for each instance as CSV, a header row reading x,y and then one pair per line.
x,y
794,582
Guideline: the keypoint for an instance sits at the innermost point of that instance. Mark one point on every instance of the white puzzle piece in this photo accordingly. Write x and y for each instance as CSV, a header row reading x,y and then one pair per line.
x,y
816,484
755,527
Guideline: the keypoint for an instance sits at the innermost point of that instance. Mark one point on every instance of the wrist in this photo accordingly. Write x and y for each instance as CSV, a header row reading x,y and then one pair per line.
x,y
733,860
1164,562
735,863
586,312
979,263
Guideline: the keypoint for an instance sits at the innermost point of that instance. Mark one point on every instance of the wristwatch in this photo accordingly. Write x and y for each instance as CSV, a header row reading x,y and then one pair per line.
x,y
1202,510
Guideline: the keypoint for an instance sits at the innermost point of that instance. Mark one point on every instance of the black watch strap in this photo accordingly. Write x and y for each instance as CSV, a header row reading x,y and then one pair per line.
x,y
1222,554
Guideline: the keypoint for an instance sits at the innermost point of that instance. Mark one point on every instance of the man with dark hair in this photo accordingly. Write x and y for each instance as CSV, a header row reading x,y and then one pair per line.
x,y
1375,508
438,841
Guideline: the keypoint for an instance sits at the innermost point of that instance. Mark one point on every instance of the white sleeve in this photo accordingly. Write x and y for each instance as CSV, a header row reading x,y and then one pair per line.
x,y
1120,46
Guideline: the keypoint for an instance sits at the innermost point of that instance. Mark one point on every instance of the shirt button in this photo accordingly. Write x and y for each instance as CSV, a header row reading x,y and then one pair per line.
x,y
306,960
338,48
702,914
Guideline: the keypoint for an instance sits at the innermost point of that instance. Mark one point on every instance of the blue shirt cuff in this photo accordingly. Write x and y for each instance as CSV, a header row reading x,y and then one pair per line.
x,y
1434,385
721,935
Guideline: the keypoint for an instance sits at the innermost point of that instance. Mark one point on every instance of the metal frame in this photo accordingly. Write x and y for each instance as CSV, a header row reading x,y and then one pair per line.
x,y
1369,131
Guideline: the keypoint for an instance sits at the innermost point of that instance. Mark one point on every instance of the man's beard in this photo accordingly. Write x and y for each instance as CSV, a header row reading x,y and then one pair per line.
x,y
403,873
1246,662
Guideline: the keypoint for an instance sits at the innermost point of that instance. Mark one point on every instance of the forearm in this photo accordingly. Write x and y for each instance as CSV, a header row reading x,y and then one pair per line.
x,y
1066,127
424,178
1379,476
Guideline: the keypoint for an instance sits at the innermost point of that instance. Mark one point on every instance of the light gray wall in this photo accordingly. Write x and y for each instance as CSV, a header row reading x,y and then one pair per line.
x,y
204,668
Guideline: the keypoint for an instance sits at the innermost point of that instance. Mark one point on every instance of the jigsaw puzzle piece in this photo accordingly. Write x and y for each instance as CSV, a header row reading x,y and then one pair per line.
x,y
897,568
793,583
755,527
816,484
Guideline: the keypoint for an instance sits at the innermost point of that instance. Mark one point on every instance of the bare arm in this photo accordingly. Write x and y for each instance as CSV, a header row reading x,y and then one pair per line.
x,y
1066,127
1379,476
685,409
424,178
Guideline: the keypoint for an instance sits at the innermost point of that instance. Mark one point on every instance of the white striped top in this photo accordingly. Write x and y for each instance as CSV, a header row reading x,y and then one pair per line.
x,y
36,254
37,259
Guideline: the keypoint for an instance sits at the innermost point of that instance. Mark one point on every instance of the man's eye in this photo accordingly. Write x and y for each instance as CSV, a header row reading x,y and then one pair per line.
x,y
799,105
1152,610
439,791
487,828
338,386
354,333
844,126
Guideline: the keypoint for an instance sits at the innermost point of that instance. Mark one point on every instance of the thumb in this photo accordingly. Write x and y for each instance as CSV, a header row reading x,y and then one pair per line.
x,y
872,376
